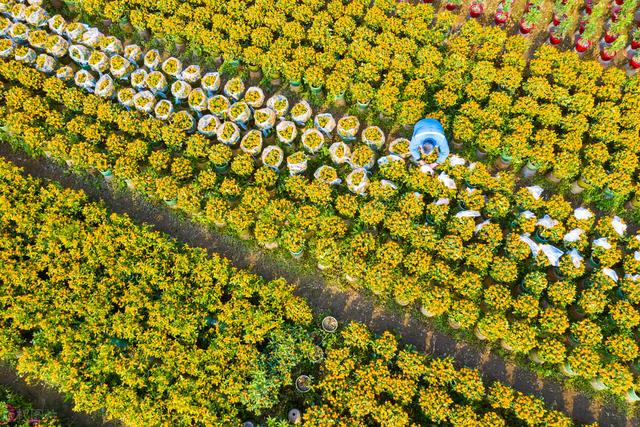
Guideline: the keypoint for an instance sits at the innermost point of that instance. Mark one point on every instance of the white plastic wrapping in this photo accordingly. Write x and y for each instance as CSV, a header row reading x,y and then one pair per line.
x,y
547,222
378,142
582,213
79,54
456,161
573,235
228,133
180,90
191,74
144,101
279,104
357,181
393,147
339,152
552,253
210,82
308,135
254,97
535,191
264,118
138,79
318,175
618,224
345,131
85,80
296,167
602,242
535,248
286,126
152,59
105,87
576,258
468,214
208,125
271,151
163,109
325,123
172,66
253,149
610,273
447,181
300,118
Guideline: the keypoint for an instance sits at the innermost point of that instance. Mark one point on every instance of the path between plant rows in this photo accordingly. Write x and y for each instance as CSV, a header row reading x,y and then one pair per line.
x,y
326,298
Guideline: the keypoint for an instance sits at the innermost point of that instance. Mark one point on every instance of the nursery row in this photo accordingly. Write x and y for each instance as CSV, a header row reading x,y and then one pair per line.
x,y
567,117
124,319
15,410
525,271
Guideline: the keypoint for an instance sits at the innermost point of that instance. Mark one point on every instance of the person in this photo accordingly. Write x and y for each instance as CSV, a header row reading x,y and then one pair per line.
x,y
428,135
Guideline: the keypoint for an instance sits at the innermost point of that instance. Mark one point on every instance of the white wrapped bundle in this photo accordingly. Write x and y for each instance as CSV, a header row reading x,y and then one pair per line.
x,y
85,80
264,118
400,147
91,37
197,100
373,137
312,140
79,54
163,109
138,79
64,73
325,123
234,88
251,143
152,59
357,181
156,82
279,104
45,63
254,97
6,48
37,39
133,53
144,101
57,24
99,61
105,87
208,125
180,90
125,96
327,174
57,46
297,163
120,67
17,11
218,105
301,112
239,113
273,156
210,83
75,30
286,132
191,74
25,54
339,152
36,16
111,45
172,67
228,133
348,127
19,32
5,26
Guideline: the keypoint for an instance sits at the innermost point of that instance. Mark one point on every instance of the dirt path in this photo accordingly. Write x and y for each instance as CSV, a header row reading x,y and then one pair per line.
x,y
43,397
325,297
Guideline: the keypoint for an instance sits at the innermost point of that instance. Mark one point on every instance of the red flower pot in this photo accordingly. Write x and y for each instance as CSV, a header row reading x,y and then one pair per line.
x,y
634,63
553,39
556,19
635,44
526,28
609,37
588,8
501,18
451,6
582,45
581,27
619,2
606,55
476,10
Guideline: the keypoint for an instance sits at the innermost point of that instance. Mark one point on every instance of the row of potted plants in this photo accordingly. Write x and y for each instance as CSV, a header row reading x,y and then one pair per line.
x,y
149,332
16,410
374,241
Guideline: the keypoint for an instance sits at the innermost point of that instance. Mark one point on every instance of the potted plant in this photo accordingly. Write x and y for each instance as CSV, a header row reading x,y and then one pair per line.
x,y
608,52
329,324
477,8
503,12
529,20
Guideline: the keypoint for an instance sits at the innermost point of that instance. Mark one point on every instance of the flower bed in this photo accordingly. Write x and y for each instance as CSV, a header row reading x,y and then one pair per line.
x,y
124,319
487,248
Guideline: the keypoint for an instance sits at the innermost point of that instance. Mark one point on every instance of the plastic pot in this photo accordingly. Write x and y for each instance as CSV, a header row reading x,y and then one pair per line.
x,y
607,56
609,37
553,39
582,45
451,6
500,18
526,28
476,9
329,324
634,63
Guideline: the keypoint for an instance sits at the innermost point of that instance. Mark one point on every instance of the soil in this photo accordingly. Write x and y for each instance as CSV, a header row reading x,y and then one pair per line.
x,y
326,297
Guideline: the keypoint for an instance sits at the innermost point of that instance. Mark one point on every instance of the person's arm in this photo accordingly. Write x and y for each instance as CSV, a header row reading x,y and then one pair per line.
x,y
443,149
414,148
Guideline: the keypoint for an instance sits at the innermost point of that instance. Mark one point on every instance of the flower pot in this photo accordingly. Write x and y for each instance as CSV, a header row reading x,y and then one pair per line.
x,y
505,346
271,245
294,416
481,155
553,39
526,28
476,10
171,203
634,63
220,224
529,170
607,56
245,235
631,395
582,45
478,333
402,302
362,106
501,18
533,355
552,178
338,100
503,162
555,20
457,146
566,369
619,2
425,312
597,384
315,90
453,323
303,383
295,86
610,37
297,255
350,279
451,6
221,168
321,266
329,324
576,188
635,44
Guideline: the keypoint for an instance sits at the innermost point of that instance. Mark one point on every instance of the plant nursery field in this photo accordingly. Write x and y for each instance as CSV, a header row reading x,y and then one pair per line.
x,y
288,125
